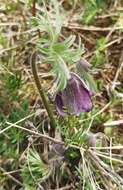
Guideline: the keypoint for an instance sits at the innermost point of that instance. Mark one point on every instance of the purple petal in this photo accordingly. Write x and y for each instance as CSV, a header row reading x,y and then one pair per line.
x,y
82,95
84,100
76,97
69,98
59,105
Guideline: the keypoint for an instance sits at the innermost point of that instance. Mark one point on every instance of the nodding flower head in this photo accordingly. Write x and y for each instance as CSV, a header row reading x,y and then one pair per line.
x,y
75,98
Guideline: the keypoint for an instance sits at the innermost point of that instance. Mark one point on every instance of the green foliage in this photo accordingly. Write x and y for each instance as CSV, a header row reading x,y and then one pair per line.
x,y
58,54
13,82
34,170
12,111
92,8
99,57
44,23
55,52
74,131
76,138
101,43
20,112
3,39
83,176
14,137
11,86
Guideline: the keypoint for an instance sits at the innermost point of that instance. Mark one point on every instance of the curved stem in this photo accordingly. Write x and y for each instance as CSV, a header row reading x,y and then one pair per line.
x,y
41,92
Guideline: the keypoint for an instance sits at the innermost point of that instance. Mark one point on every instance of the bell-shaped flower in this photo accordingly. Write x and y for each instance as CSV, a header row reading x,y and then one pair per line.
x,y
75,98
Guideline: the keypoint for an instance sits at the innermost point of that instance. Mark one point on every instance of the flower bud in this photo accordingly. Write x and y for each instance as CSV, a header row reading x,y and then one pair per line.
x,y
83,65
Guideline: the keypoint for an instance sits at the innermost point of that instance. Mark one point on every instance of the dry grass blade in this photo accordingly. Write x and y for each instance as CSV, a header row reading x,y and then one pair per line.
x,y
33,132
105,169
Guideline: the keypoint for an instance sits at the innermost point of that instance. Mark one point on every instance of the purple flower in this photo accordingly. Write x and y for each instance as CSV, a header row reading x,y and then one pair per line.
x,y
75,98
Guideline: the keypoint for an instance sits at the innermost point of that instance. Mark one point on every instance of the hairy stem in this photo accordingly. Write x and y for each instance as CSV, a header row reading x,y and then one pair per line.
x,y
42,94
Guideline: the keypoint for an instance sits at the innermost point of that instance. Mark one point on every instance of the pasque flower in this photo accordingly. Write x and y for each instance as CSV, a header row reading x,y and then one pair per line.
x,y
75,98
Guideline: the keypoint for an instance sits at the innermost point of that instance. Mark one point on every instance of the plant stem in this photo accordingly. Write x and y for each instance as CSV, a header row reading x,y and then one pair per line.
x,y
41,92
34,8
